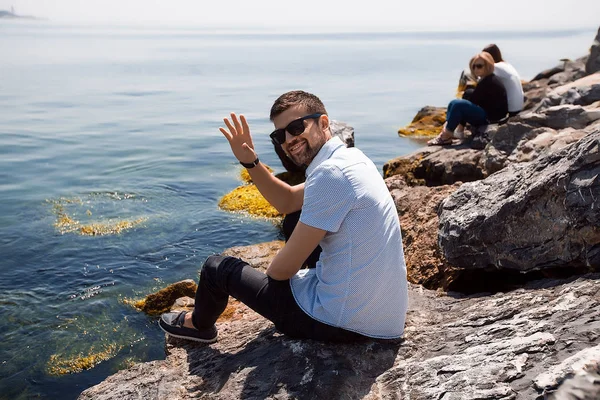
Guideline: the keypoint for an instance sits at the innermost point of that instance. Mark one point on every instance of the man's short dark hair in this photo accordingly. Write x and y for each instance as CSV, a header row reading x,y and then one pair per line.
x,y
309,101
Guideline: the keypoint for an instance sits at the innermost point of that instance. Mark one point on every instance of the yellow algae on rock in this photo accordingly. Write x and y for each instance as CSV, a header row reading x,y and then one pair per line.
x,y
247,198
404,167
108,228
66,223
161,301
245,176
427,122
59,364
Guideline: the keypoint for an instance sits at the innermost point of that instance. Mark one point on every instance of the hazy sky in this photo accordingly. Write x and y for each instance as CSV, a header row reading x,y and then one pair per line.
x,y
322,14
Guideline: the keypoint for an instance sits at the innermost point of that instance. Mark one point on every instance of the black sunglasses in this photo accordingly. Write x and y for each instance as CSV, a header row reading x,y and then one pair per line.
x,y
295,128
477,66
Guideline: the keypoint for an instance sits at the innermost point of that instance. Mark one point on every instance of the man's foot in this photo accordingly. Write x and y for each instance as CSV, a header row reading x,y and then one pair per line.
x,y
173,324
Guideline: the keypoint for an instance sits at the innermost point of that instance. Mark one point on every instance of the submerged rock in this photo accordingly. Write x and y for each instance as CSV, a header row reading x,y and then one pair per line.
x,y
161,301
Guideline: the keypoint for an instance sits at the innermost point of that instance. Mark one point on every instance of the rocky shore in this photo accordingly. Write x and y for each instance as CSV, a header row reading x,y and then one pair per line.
x,y
502,241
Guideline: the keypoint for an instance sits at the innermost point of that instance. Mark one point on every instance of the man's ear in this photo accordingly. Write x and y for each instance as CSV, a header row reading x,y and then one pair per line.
x,y
324,122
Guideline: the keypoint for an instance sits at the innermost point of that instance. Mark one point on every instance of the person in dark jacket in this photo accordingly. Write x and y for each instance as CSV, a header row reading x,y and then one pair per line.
x,y
487,104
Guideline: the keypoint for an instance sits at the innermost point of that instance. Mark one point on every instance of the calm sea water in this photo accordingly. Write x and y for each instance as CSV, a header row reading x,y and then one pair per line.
x,y
112,124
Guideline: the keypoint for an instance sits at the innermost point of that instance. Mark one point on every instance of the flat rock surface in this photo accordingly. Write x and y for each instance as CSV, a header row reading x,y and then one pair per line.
x,y
515,345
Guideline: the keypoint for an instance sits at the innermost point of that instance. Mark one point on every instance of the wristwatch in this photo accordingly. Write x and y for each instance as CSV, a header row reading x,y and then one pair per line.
x,y
250,165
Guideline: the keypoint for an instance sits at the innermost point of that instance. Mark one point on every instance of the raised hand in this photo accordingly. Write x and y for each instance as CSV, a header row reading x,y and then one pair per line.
x,y
239,138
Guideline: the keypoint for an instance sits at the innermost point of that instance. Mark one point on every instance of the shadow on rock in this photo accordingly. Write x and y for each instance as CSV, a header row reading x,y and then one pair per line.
x,y
272,364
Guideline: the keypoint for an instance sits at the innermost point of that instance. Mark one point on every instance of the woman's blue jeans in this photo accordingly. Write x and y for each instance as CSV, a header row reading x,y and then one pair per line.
x,y
463,111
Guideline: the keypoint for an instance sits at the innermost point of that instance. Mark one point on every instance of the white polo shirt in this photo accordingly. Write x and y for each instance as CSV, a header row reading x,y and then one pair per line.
x,y
359,282
512,83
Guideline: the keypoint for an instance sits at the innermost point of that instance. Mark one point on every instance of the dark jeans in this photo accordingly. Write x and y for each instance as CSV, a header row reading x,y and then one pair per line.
x,y
463,111
221,277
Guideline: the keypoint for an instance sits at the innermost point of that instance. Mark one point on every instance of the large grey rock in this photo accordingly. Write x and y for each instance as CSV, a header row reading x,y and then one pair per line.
x,y
342,130
437,165
455,347
584,91
532,216
543,141
444,167
564,116
502,142
582,386
593,62
573,70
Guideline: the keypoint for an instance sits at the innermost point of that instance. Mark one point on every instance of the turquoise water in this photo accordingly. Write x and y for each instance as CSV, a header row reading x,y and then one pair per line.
x,y
113,124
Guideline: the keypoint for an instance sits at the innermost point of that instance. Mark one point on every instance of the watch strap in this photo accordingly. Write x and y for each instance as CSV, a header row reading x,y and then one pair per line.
x,y
250,165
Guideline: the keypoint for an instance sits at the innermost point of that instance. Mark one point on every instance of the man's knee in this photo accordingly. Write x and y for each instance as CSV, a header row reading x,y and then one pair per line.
x,y
218,267
211,265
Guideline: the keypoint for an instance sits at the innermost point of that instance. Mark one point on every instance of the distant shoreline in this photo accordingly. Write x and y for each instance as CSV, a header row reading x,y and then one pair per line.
x,y
10,15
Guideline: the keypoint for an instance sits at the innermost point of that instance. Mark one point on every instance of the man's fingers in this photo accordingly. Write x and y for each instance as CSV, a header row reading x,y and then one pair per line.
x,y
231,128
236,122
226,134
245,124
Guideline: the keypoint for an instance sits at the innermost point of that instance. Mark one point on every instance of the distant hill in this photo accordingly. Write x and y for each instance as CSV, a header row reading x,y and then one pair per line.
x,y
10,15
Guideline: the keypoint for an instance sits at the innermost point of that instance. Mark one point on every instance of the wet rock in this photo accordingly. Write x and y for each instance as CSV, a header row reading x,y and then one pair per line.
x,y
455,347
161,301
541,215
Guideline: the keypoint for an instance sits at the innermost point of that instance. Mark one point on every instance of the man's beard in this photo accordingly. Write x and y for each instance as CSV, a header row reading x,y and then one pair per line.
x,y
306,156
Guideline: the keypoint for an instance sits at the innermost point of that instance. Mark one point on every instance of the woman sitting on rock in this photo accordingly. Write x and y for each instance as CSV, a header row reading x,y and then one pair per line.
x,y
509,77
487,103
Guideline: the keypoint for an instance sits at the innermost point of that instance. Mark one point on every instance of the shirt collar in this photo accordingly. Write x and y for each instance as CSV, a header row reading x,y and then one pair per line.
x,y
326,151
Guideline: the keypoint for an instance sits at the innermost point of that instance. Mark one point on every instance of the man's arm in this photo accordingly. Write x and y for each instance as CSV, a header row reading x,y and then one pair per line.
x,y
285,198
289,260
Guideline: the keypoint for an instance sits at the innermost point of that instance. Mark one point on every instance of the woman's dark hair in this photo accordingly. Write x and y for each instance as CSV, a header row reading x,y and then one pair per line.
x,y
494,51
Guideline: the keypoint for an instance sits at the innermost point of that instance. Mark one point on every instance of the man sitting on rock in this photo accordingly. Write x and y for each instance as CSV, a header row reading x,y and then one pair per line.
x,y
358,289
